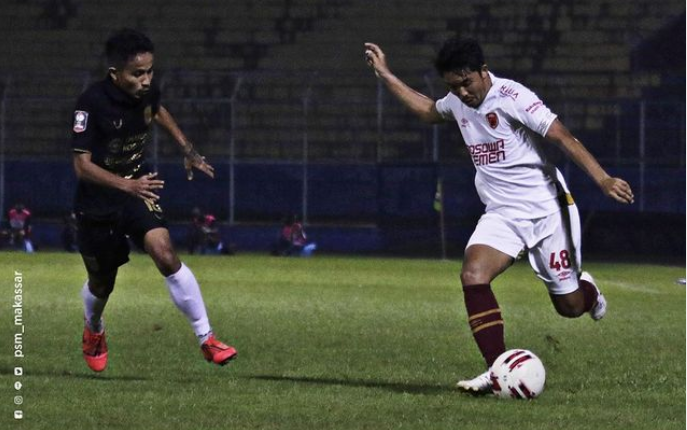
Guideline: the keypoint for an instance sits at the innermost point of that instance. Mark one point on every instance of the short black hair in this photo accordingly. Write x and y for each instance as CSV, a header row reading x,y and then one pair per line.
x,y
125,44
458,54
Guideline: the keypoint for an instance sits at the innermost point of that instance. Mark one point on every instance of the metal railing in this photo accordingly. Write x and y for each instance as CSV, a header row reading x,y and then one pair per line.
x,y
325,118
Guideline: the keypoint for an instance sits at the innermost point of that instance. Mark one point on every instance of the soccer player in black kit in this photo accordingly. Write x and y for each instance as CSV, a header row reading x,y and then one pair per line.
x,y
117,194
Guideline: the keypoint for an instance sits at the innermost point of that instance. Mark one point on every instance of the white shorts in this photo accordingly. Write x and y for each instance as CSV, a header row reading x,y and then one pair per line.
x,y
552,244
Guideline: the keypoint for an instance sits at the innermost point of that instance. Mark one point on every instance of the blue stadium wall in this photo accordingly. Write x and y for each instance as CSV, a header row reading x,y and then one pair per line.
x,y
369,208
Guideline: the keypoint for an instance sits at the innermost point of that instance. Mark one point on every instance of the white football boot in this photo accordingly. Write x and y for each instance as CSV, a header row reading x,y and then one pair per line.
x,y
599,309
481,384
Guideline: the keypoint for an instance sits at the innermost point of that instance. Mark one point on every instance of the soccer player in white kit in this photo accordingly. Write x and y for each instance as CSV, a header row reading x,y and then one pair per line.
x,y
528,205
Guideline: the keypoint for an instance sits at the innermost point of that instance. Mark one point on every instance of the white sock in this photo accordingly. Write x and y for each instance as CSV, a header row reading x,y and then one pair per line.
x,y
185,293
93,309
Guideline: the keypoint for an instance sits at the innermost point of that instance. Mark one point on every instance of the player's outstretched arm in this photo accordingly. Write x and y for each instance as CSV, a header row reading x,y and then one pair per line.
x,y
143,187
615,188
192,159
416,102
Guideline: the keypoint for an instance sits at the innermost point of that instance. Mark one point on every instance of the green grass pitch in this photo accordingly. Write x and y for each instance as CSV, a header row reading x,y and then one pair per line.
x,y
336,343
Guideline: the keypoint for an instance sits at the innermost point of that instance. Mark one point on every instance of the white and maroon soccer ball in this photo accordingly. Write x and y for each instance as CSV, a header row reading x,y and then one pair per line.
x,y
517,374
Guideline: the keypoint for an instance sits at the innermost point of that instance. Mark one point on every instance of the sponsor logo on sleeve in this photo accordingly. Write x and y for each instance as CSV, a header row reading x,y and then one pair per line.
x,y
534,107
80,121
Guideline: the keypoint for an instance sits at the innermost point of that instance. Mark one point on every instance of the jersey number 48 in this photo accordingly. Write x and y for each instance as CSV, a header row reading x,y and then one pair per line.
x,y
560,260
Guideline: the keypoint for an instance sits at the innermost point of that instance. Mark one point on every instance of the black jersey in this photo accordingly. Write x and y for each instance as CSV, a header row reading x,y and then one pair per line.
x,y
115,128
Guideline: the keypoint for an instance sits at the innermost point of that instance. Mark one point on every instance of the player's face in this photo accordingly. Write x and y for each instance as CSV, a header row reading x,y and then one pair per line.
x,y
135,76
470,87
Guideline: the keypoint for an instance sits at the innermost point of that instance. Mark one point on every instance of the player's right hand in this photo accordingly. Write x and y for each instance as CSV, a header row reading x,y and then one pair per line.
x,y
144,187
618,190
194,159
375,58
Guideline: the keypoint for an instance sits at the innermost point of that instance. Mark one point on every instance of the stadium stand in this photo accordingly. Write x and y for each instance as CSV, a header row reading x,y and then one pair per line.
x,y
266,81
576,54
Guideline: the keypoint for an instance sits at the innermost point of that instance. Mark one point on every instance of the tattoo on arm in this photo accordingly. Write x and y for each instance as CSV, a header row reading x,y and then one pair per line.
x,y
187,148
193,156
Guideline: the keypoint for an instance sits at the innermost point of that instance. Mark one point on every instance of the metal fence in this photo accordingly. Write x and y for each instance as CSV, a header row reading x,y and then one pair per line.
x,y
320,118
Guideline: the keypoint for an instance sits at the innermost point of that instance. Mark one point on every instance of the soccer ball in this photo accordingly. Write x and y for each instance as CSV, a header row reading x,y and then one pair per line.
x,y
517,374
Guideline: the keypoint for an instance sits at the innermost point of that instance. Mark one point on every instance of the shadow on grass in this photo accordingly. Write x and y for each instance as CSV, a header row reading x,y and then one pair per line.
x,y
396,387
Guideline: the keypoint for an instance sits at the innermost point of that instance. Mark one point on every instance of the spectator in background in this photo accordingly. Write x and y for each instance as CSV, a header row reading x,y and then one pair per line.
x,y
213,238
195,238
20,227
292,239
204,235
69,233
59,12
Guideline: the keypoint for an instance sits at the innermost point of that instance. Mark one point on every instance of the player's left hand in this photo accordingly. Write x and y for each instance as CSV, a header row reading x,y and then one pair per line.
x,y
194,159
375,58
618,189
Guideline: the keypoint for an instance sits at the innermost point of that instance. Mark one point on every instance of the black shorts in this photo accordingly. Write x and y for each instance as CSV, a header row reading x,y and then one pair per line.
x,y
104,244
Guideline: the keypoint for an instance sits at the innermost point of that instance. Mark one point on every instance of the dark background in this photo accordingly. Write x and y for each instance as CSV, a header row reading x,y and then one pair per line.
x,y
276,94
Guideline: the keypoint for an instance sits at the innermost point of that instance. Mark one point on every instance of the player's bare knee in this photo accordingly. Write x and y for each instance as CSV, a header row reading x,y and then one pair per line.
x,y
569,305
100,291
101,286
168,264
571,313
165,259
569,310
469,276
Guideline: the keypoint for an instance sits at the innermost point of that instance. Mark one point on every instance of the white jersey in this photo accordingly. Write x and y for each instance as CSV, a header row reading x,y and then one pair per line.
x,y
512,178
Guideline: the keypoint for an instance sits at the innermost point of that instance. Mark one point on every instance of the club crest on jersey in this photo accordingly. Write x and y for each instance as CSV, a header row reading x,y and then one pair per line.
x,y
493,120
80,121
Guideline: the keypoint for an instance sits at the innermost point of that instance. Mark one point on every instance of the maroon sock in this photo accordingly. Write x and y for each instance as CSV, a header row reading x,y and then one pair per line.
x,y
590,294
485,320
